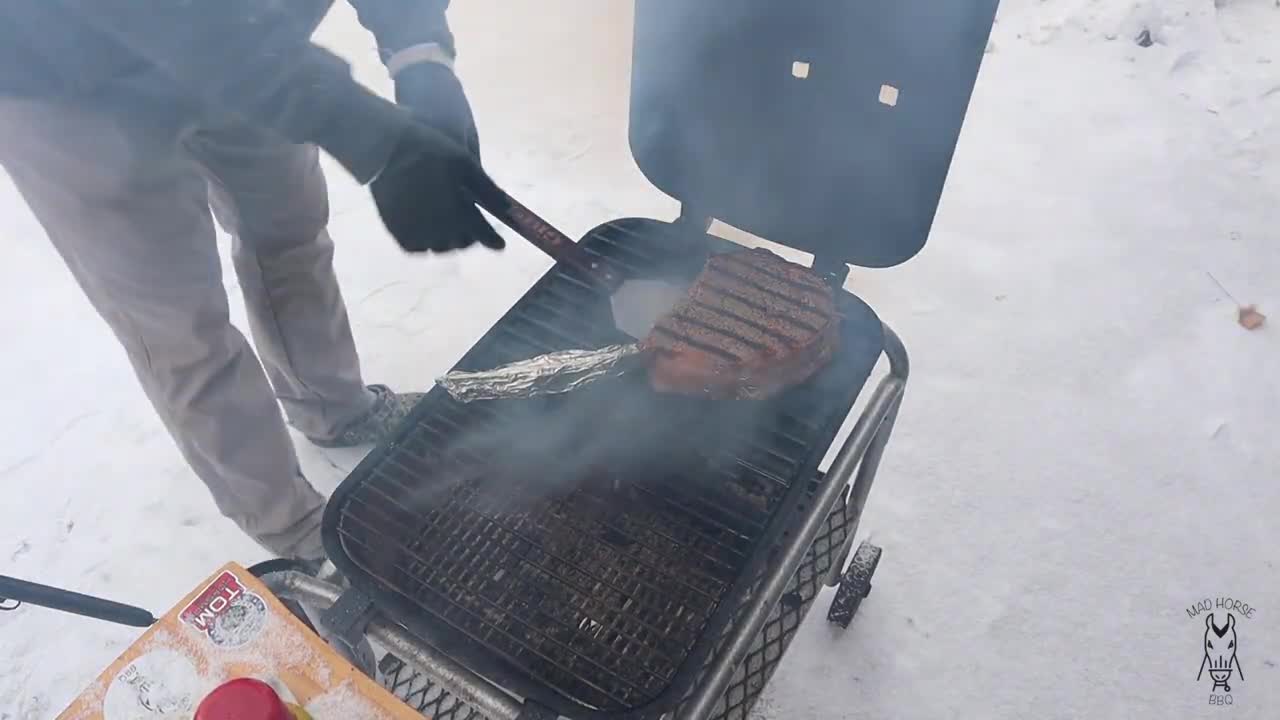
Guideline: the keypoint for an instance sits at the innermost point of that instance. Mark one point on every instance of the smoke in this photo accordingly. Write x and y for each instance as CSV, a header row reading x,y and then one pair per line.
x,y
568,473
828,127
608,436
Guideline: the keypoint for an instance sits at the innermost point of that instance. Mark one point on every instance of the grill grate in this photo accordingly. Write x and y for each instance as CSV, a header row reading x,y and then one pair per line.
x,y
581,548
422,694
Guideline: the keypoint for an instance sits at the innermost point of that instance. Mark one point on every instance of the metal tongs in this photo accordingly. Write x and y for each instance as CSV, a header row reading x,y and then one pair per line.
x,y
637,304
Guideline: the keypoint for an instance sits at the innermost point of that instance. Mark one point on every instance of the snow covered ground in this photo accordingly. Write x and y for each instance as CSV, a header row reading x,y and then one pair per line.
x,y
1088,446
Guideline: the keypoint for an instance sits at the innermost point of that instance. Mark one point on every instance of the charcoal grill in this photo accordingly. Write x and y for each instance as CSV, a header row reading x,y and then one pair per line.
x,y
614,553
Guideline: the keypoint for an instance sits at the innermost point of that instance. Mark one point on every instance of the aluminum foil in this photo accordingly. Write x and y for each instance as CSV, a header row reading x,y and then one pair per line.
x,y
549,374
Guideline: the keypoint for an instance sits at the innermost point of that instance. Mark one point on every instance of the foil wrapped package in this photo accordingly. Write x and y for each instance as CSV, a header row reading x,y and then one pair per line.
x,y
549,374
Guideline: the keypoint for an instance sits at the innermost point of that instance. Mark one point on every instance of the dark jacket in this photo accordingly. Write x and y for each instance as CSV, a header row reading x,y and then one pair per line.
x,y
251,57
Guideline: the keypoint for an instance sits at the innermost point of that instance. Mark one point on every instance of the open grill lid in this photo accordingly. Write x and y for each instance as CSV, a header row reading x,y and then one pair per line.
x,y
826,126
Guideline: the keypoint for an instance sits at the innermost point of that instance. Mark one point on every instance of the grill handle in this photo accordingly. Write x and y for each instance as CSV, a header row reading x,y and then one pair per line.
x,y
544,235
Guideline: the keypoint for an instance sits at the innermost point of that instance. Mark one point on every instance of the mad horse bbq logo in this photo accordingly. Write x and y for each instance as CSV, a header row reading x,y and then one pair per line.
x,y
227,612
1220,659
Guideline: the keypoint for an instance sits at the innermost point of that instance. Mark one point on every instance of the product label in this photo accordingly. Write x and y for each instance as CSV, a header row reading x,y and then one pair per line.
x,y
228,613
162,683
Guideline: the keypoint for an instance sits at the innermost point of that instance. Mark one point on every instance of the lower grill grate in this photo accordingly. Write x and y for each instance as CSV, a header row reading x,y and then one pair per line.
x,y
749,680
586,549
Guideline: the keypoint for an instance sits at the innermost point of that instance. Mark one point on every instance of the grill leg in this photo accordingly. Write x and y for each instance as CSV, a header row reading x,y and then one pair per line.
x,y
899,368
344,624
861,489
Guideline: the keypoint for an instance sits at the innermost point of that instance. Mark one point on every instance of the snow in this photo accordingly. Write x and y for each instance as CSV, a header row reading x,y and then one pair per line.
x,y
343,702
1087,448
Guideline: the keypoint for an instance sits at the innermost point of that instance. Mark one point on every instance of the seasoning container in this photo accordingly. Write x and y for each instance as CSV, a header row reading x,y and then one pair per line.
x,y
247,699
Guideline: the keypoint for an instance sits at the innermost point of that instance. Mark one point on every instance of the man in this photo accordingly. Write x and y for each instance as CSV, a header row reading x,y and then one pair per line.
x,y
122,121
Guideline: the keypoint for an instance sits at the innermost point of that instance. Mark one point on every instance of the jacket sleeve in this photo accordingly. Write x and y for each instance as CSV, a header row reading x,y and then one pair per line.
x,y
402,28
256,58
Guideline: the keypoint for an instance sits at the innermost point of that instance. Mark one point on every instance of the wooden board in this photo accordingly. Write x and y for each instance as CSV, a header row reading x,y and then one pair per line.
x,y
231,626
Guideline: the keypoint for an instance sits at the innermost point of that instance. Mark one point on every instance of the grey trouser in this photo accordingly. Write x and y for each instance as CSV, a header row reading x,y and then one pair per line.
x,y
125,196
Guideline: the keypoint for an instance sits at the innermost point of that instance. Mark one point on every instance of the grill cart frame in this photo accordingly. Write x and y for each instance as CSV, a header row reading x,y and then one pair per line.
x,y
829,128
562,588
443,689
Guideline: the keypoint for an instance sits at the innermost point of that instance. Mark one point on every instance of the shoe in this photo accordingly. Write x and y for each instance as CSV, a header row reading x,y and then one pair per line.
x,y
389,408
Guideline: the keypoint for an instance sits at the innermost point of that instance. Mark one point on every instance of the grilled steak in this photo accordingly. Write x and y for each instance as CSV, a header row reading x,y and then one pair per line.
x,y
751,325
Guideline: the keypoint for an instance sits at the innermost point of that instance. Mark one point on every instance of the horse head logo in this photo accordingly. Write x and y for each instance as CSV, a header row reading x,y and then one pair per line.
x,y
1220,652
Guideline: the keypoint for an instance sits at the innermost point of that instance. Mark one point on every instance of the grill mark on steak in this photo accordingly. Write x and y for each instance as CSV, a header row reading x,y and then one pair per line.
x,y
675,338
754,325
755,304
750,310
774,266
724,329
704,333
777,271
764,288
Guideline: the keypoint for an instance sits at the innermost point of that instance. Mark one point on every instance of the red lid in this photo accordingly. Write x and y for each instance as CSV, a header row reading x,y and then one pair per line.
x,y
243,699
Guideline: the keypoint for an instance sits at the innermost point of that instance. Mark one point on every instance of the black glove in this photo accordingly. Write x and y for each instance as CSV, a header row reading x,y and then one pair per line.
x,y
426,194
435,96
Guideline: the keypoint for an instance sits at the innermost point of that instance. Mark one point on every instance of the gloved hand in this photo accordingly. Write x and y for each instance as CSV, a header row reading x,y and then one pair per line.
x,y
436,97
426,194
